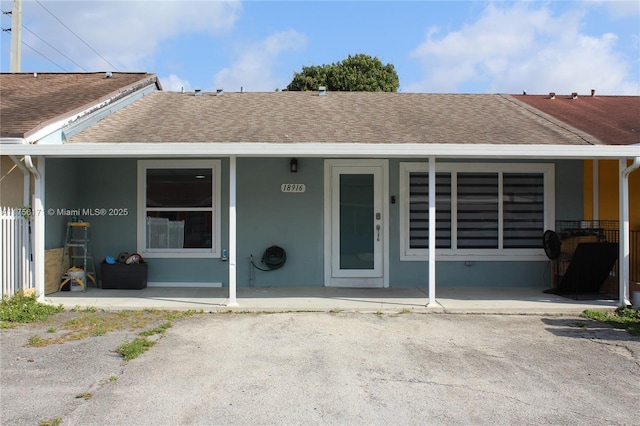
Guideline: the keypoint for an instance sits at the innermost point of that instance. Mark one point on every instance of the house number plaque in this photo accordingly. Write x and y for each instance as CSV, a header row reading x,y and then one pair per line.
x,y
293,187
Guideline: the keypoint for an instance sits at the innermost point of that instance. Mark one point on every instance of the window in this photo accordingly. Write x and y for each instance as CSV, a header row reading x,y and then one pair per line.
x,y
179,208
481,210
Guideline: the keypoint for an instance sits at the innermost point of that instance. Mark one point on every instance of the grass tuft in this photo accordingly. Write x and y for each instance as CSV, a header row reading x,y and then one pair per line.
x,y
135,348
56,421
21,308
85,395
624,318
156,330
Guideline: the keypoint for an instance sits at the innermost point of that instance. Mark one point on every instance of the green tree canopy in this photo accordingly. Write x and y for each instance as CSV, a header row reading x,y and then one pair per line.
x,y
358,73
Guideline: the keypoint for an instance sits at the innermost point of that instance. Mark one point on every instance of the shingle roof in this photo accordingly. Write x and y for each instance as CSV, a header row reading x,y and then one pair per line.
x,y
28,103
349,117
615,120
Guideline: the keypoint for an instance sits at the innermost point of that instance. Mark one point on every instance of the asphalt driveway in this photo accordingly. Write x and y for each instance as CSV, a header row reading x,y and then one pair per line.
x,y
332,368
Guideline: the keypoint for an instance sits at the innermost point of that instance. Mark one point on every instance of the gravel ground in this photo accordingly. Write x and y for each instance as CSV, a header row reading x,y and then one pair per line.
x,y
322,368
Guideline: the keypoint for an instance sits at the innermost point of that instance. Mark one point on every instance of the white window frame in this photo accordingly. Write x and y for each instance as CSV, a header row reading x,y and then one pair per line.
x,y
214,251
455,254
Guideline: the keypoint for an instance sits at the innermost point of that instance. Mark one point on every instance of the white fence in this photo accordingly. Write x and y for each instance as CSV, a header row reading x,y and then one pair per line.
x,y
15,252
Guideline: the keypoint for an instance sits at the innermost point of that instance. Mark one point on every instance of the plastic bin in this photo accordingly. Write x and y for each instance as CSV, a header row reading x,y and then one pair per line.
x,y
124,277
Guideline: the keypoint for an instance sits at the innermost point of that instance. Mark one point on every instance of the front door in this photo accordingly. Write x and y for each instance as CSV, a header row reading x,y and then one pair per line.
x,y
356,217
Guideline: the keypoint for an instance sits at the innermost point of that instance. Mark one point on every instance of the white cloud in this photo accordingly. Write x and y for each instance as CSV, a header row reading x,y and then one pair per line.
x,y
253,68
523,46
126,33
173,83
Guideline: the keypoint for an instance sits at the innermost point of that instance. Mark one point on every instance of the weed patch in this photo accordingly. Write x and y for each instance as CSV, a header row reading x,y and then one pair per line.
x,y
156,330
37,341
85,395
625,318
135,348
24,309
56,421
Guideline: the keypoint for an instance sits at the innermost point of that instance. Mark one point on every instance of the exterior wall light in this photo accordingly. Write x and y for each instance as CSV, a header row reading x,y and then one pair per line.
x,y
293,165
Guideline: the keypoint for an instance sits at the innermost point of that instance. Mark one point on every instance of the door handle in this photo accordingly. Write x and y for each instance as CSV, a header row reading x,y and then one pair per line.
x,y
378,229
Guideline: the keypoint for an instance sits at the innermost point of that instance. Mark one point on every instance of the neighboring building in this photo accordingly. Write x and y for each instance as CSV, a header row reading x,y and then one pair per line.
x,y
201,184
614,120
38,109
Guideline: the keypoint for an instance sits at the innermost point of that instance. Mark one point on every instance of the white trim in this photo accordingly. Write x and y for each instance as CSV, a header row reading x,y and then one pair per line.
x,y
624,243
595,182
232,231
39,227
215,251
455,254
332,150
184,284
432,231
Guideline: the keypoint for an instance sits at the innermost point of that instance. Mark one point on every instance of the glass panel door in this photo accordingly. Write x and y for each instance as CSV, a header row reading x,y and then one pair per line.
x,y
357,227
357,224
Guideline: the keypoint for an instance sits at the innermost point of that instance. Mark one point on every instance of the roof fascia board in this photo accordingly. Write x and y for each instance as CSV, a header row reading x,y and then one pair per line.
x,y
56,123
192,150
86,120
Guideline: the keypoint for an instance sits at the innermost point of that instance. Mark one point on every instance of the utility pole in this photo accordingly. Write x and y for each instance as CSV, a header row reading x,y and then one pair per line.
x,y
16,36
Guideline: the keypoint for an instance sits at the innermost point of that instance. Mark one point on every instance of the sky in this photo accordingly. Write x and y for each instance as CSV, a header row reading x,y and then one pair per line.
x,y
435,46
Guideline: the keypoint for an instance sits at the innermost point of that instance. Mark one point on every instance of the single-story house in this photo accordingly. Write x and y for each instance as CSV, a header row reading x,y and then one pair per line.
x,y
358,189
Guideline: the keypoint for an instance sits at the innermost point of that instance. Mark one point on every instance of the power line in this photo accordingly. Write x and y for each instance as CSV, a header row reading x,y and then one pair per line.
x,y
77,36
23,42
47,43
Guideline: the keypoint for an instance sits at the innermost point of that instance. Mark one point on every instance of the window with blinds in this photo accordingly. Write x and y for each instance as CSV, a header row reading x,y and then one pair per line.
x,y
479,207
523,207
419,210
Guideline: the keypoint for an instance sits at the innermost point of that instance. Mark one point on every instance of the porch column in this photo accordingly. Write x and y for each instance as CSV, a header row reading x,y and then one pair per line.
x,y
624,256
595,182
432,231
232,232
38,227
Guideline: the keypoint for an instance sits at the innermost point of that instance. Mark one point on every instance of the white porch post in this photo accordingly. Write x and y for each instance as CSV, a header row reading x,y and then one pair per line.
x,y
38,228
232,232
595,180
624,256
432,231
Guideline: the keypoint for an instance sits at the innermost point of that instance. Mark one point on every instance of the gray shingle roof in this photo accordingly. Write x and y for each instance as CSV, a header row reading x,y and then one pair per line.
x,y
28,103
338,117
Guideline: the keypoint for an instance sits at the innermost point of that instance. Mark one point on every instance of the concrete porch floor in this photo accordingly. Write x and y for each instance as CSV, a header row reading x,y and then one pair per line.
x,y
494,300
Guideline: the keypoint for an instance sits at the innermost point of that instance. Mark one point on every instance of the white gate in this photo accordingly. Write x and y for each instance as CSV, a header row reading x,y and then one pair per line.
x,y
15,251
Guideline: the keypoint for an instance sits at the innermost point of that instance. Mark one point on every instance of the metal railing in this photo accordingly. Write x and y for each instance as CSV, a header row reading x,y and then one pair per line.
x,y
606,230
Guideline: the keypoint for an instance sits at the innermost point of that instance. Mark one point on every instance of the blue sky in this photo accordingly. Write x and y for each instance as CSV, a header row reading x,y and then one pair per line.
x,y
435,46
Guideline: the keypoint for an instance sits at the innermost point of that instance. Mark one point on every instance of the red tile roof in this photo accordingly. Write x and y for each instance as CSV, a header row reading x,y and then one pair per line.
x,y
615,120
28,103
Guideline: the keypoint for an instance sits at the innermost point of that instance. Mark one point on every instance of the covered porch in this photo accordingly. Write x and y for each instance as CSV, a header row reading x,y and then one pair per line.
x,y
461,300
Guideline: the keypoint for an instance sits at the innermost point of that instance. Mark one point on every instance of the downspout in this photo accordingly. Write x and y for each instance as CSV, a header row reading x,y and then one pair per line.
x,y
38,222
624,253
26,198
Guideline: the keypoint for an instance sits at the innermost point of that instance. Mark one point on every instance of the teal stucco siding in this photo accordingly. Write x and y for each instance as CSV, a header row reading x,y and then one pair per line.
x,y
266,216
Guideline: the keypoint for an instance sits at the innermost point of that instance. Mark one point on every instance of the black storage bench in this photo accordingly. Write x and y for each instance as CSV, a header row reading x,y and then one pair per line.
x,y
124,277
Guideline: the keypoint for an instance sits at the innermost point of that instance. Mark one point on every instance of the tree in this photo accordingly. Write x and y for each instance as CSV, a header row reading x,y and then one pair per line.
x,y
358,73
